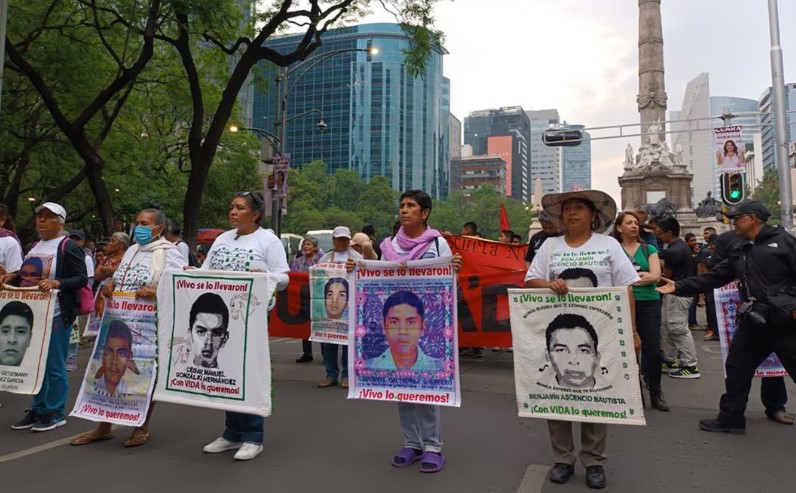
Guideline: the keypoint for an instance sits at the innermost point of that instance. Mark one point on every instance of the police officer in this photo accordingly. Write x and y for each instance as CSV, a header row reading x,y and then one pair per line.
x,y
763,265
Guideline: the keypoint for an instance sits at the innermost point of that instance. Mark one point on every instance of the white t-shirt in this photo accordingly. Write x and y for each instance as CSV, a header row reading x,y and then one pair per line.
x,y
334,257
46,251
89,268
10,254
134,269
600,258
183,248
260,250
438,248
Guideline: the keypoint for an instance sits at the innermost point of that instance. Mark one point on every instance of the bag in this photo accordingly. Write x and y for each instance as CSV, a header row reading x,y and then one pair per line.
x,y
782,310
85,297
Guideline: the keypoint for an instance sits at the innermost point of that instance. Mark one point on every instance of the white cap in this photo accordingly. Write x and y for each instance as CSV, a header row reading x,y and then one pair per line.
x,y
341,232
54,208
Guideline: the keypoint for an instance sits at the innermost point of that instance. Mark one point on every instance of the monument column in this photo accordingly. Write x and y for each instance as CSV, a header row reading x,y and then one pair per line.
x,y
651,97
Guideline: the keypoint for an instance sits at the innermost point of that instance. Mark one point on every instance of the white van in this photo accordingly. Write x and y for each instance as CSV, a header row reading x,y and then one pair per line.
x,y
324,237
292,245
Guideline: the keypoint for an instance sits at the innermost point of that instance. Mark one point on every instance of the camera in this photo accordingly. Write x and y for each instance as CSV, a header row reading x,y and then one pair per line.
x,y
747,310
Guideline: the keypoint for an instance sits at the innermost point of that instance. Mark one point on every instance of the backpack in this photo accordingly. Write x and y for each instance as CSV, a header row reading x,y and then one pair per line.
x,y
193,260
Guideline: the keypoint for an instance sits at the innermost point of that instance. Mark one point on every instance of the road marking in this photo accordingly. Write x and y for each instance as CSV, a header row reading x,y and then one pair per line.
x,y
534,479
41,448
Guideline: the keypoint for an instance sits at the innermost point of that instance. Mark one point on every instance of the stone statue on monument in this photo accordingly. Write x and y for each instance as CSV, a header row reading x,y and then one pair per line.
x,y
630,159
708,207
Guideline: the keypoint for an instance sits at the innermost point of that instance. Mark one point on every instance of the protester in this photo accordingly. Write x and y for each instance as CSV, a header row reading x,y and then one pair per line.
x,y
113,252
549,230
361,243
469,229
581,215
420,423
79,237
341,237
645,260
138,272
516,239
679,351
763,264
10,255
643,234
704,260
63,268
174,235
691,241
309,248
370,230
7,225
505,236
246,248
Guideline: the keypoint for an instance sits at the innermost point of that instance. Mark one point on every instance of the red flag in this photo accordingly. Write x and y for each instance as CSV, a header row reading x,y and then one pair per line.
x,y
504,219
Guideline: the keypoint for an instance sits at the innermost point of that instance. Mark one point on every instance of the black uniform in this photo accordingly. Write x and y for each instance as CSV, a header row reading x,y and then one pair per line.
x,y
764,267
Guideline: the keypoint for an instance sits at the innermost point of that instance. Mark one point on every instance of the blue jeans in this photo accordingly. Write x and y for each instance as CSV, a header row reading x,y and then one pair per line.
x,y
774,394
329,352
51,399
421,426
243,427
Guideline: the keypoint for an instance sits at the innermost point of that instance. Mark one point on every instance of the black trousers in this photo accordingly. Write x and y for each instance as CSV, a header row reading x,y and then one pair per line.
x,y
648,326
750,346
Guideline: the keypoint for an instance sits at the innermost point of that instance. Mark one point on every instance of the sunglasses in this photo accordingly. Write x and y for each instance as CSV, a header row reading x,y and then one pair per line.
x,y
256,199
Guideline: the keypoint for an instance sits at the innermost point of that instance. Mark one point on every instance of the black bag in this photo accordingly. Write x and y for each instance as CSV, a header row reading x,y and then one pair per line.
x,y
782,310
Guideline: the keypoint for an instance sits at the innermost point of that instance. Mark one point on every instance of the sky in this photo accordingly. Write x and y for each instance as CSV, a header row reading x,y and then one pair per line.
x,y
581,57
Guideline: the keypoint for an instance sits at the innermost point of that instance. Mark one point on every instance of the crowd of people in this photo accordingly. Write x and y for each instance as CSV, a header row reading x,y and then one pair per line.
x,y
669,275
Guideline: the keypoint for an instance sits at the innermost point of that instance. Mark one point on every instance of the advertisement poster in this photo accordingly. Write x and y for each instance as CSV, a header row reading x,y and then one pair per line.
x,y
213,340
574,357
25,323
729,149
120,375
402,336
329,292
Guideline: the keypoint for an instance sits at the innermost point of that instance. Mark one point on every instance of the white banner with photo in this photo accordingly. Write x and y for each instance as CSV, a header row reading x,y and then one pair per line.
x,y
120,375
573,355
329,303
730,149
26,318
213,340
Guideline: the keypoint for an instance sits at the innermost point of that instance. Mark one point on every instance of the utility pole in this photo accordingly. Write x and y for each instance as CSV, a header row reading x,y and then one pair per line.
x,y
3,23
781,132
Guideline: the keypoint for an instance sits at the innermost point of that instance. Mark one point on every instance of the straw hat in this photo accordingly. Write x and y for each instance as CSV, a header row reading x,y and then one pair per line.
x,y
553,204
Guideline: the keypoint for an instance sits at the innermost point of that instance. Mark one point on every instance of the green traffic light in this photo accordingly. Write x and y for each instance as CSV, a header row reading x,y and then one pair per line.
x,y
735,194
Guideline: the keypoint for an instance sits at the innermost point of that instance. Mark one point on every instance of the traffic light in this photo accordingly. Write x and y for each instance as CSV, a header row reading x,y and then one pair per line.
x,y
732,188
562,138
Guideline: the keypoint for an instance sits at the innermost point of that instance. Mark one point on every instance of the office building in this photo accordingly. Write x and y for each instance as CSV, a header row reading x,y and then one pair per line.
x,y
545,161
505,132
767,130
469,172
576,162
380,120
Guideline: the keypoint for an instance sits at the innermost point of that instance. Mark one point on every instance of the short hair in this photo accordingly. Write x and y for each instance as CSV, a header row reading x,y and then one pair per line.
x,y
688,236
670,225
507,232
174,227
403,298
122,238
369,230
160,217
209,303
334,280
577,273
119,330
712,238
19,309
419,196
471,226
709,228
311,239
517,237
570,321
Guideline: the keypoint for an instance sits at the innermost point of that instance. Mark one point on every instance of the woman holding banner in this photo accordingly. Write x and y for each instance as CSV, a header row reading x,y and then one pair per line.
x,y
420,423
645,260
580,215
138,272
246,248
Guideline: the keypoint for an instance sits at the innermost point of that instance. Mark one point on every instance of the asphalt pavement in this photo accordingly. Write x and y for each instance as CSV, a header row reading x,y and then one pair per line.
x,y
319,441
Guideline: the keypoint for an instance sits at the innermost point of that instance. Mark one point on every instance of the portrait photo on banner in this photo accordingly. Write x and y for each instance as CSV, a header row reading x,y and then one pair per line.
x,y
404,335
329,292
25,324
730,149
573,355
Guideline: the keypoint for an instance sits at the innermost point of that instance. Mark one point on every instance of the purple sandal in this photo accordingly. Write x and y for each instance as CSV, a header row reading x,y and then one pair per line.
x,y
406,457
432,462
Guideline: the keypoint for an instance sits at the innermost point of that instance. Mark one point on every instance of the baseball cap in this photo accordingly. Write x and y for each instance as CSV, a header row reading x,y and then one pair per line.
x,y
56,209
750,206
77,232
341,232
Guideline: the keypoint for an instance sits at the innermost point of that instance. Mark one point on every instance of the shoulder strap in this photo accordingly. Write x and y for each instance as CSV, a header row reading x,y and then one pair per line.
x,y
436,244
645,249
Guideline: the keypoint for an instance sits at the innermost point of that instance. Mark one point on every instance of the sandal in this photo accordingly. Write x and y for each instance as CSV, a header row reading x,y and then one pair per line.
x,y
326,383
87,438
137,438
406,457
432,462
782,418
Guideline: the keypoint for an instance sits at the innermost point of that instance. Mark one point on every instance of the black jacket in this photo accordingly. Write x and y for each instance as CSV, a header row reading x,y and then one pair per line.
x,y
70,271
763,266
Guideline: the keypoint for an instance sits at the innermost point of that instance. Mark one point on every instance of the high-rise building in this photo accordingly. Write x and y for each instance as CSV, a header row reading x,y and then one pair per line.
x,y
767,130
505,132
454,137
545,161
381,121
469,171
576,162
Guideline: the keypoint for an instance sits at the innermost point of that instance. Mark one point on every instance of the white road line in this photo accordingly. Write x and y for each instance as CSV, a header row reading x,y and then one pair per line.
x,y
534,479
41,448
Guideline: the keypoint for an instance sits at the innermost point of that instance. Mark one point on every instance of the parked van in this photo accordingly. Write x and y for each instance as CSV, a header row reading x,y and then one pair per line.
x,y
324,237
292,244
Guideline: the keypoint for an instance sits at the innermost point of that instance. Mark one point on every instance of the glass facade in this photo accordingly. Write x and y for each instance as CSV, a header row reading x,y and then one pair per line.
x,y
576,162
545,161
380,120
767,130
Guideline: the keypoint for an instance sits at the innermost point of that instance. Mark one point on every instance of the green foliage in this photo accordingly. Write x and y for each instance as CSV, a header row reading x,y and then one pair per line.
x,y
767,193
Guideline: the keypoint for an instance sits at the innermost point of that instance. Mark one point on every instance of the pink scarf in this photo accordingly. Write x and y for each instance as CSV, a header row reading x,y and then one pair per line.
x,y
415,246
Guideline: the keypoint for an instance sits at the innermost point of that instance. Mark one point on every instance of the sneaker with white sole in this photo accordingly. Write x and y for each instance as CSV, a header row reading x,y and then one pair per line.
x,y
47,423
248,451
26,423
686,372
221,444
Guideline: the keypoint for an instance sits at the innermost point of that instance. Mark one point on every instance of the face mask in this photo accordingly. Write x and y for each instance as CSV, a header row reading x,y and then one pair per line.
x,y
142,235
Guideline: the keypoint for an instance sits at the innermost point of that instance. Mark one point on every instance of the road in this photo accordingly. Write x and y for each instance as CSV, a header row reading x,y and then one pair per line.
x,y
317,440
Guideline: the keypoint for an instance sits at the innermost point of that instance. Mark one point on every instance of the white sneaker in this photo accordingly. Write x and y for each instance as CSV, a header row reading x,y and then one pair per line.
x,y
221,444
248,451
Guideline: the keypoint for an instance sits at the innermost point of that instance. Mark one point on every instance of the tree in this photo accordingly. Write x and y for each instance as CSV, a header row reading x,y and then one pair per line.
x,y
767,193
